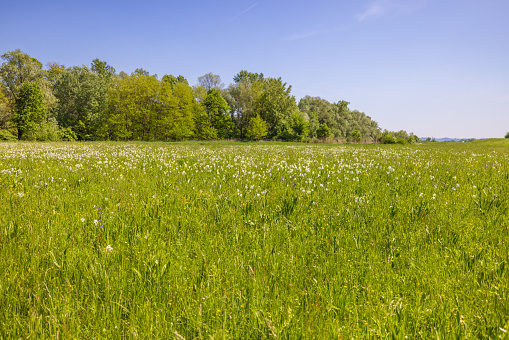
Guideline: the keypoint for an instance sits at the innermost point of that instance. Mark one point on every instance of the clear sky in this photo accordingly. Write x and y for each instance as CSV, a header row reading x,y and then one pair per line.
x,y
438,68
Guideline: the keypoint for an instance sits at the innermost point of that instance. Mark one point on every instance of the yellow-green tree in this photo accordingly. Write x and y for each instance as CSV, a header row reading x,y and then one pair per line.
x,y
30,112
258,128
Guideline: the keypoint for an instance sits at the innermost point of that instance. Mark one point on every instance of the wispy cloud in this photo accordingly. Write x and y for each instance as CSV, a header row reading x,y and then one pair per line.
x,y
374,9
243,12
381,7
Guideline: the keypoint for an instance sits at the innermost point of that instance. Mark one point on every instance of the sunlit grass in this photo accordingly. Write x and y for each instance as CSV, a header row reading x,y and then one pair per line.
x,y
253,240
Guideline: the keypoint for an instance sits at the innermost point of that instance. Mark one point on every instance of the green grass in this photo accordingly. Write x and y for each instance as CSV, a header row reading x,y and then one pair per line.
x,y
254,240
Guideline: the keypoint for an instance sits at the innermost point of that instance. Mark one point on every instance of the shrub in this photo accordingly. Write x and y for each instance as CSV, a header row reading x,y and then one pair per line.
x,y
7,135
323,131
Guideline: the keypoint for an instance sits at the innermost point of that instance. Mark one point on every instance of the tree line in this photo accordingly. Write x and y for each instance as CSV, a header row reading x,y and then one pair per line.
x,y
96,103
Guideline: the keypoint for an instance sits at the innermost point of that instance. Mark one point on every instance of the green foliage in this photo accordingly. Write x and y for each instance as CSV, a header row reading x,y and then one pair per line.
x,y
203,126
507,135
258,128
388,139
356,136
319,107
210,81
296,127
400,137
242,98
67,134
218,112
30,111
169,109
7,135
141,72
143,108
248,77
323,131
54,72
102,69
275,105
5,109
81,95
173,81
413,139
400,140
339,118
45,131
18,68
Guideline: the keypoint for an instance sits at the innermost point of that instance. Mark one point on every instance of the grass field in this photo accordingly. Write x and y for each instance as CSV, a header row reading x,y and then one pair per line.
x,y
254,241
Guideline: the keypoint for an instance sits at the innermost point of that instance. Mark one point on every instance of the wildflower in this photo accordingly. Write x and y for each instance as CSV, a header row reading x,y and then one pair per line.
x,y
20,194
96,222
109,248
82,220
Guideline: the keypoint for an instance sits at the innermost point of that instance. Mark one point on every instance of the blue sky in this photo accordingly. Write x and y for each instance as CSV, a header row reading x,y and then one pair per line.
x,y
437,68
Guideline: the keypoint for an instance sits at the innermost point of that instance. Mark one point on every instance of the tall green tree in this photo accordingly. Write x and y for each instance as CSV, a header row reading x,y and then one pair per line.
x,y
141,72
173,81
507,135
5,109
248,76
243,96
218,112
102,68
182,113
30,111
18,68
133,108
319,107
81,105
143,108
276,105
257,128
54,72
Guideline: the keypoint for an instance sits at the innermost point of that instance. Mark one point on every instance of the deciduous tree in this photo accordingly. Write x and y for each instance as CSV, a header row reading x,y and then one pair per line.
x,y
30,111
81,97
323,131
210,81
18,68
257,129
275,105
218,113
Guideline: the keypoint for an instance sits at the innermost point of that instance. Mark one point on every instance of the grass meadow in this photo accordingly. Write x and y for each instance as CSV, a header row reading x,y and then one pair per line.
x,y
254,241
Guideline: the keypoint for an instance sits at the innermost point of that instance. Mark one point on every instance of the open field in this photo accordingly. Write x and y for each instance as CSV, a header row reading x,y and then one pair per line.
x,y
254,241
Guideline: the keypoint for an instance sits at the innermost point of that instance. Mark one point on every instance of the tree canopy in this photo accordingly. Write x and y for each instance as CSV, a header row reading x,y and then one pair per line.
x,y
95,102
